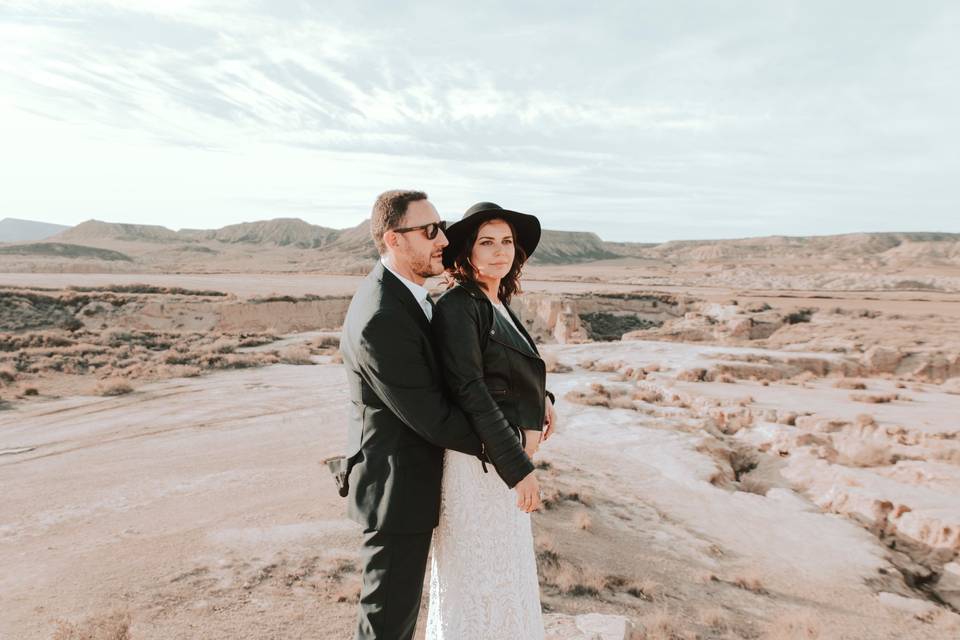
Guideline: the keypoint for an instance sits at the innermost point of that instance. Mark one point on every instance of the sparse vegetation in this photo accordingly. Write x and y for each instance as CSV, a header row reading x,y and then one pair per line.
x,y
109,626
874,398
295,355
114,387
749,582
855,385
583,521
794,626
799,316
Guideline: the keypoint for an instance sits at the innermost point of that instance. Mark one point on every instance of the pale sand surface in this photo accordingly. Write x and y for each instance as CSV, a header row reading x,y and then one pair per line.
x,y
198,506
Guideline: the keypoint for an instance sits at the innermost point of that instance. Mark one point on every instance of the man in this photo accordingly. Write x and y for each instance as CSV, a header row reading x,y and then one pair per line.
x,y
400,419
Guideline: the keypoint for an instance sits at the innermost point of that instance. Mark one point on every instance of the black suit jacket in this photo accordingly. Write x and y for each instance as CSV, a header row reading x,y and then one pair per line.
x,y
400,418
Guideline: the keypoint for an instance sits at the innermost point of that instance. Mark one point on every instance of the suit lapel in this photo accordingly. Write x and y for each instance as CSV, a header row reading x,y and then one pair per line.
x,y
392,284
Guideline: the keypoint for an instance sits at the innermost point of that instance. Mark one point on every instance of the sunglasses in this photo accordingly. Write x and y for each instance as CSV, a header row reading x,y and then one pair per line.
x,y
431,229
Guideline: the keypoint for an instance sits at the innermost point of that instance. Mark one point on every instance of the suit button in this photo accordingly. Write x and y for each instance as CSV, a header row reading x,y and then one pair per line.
x,y
492,332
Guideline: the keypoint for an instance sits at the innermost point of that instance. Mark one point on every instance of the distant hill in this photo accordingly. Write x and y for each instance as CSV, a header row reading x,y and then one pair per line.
x,y
17,230
280,231
98,230
61,250
887,245
291,244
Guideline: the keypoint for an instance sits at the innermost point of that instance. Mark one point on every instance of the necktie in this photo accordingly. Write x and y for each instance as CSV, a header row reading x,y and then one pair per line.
x,y
428,308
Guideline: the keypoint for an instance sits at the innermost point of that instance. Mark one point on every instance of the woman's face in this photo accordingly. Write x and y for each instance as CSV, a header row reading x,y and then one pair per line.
x,y
492,254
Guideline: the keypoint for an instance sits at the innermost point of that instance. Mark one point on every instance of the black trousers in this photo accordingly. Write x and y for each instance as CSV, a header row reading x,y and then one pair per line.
x,y
394,565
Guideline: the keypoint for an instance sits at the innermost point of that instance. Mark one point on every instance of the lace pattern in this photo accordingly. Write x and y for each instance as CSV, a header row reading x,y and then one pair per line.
x,y
483,582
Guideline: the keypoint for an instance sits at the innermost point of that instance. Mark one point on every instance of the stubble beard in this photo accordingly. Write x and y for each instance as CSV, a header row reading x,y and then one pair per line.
x,y
423,267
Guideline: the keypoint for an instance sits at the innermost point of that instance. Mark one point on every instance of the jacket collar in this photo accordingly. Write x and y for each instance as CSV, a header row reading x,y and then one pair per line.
x,y
507,334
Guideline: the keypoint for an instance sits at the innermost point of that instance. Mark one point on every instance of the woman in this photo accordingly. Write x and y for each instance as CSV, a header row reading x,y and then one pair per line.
x,y
484,574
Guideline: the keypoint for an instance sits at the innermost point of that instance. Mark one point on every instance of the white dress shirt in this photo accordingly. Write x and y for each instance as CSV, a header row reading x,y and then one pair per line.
x,y
419,292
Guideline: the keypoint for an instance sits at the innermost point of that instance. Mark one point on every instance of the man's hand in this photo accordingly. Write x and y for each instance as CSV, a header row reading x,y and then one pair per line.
x,y
532,438
528,493
549,421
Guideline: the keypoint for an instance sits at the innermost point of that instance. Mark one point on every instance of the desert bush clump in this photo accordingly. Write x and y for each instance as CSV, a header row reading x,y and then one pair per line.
x,y
874,398
749,582
794,626
554,365
799,316
113,387
715,618
295,355
855,385
663,625
110,626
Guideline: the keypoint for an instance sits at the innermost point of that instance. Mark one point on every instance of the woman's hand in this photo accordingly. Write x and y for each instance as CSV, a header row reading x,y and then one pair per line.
x,y
528,493
532,439
549,421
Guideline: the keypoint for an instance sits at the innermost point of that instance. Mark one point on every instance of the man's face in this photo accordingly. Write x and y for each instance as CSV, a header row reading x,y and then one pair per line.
x,y
422,256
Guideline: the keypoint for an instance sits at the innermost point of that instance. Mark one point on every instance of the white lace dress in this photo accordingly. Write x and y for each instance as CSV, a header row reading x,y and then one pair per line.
x,y
483,582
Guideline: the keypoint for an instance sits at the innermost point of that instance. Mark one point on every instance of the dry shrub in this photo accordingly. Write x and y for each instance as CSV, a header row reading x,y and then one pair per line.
x,y
31,391
111,626
864,454
951,456
574,581
295,355
648,395
715,618
582,520
873,398
326,342
794,626
599,395
693,375
113,387
348,592
548,553
865,420
749,582
554,365
606,366
8,374
646,589
662,625
751,484
257,339
854,385
222,345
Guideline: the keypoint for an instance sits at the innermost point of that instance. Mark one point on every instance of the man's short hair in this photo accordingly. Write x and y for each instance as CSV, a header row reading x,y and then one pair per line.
x,y
388,212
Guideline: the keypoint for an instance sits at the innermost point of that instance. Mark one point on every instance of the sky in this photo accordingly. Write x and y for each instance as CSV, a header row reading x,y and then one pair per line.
x,y
642,121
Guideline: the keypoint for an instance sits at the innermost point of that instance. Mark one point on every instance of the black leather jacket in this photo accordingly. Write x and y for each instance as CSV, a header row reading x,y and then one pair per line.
x,y
494,374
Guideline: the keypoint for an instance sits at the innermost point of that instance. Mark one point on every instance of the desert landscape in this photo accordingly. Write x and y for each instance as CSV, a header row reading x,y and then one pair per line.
x,y
759,438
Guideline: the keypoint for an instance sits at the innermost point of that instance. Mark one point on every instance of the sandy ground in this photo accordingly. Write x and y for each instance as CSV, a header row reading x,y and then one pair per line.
x,y
198,507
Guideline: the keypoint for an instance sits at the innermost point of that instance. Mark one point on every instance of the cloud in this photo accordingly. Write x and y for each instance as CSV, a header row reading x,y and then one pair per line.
x,y
642,120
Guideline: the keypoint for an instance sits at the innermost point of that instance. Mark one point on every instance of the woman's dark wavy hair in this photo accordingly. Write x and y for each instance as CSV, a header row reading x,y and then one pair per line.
x,y
462,272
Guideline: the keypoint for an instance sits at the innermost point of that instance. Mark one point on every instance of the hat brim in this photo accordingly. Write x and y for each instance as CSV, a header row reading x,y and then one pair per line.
x,y
527,228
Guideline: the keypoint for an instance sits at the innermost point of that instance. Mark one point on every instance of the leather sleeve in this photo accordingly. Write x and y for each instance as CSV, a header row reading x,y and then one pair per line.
x,y
456,326
394,364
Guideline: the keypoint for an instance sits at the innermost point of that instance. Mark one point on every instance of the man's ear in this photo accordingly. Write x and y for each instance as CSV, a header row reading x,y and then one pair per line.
x,y
391,239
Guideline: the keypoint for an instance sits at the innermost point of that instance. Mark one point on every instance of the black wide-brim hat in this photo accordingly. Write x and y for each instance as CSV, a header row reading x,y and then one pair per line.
x,y
527,228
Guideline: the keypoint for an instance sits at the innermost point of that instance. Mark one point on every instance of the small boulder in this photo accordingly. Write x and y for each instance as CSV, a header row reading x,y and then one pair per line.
x,y
881,359
588,626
